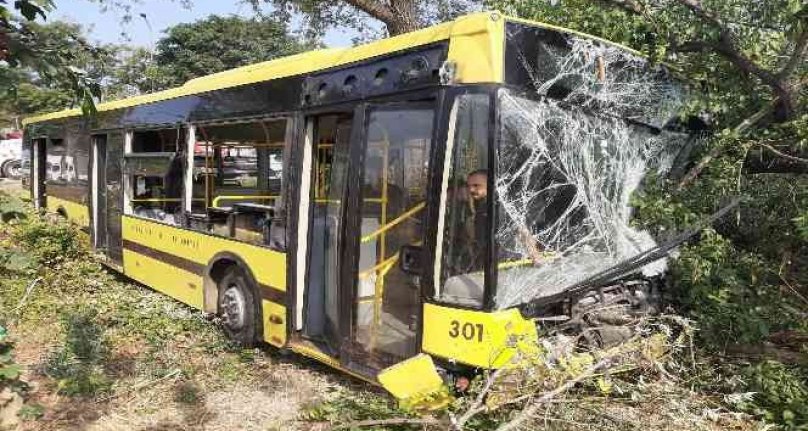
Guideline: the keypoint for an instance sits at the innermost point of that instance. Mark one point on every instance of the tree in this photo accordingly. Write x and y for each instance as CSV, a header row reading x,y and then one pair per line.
x,y
136,72
201,48
23,43
398,16
219,43
57,68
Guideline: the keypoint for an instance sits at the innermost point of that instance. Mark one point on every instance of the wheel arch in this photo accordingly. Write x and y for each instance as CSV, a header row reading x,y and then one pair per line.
x,y
3,166
214,272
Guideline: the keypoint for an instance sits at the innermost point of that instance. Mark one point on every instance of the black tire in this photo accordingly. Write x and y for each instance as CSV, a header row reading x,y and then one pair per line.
x,y
11,169
238,307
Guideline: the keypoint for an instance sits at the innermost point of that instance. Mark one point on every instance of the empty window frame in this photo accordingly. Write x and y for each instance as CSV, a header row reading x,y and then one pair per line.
x,y
239,170
154,168
241,162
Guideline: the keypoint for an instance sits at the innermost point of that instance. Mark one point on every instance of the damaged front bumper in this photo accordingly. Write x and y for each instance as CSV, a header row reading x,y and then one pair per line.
x,y
470,338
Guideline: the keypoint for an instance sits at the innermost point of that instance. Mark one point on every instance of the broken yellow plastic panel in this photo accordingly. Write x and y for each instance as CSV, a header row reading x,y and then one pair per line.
x,y
495,339
416,384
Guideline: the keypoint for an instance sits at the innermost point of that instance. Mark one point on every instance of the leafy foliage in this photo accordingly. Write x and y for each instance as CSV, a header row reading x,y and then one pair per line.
x,y
219,43
781,393
9,371
398,16
49,244
27,45
346,408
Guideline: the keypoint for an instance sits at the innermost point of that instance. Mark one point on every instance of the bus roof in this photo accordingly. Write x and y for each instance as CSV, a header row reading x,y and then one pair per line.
x,y
476,45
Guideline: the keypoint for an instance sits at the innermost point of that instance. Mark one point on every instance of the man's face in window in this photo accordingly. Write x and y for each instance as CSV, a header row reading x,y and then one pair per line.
x,y
477,185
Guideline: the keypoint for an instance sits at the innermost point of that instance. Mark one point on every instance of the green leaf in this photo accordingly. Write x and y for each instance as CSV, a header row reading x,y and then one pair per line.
x,y
10,372
19,262
29,10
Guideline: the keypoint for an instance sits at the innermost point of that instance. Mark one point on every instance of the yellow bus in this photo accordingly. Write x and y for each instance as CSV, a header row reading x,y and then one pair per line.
x,y
336,203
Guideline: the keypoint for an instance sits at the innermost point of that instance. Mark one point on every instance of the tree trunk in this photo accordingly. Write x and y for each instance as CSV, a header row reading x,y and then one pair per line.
x,y
405,17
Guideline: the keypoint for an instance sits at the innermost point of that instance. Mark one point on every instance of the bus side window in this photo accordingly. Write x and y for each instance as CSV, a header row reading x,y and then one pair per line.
x,y
239,177
155,169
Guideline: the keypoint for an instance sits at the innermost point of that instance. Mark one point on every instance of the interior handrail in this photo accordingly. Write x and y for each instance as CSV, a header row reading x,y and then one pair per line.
x,y
215,203
393,223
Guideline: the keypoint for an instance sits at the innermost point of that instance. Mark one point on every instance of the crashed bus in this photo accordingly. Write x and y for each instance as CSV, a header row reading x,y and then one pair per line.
x,y
402,210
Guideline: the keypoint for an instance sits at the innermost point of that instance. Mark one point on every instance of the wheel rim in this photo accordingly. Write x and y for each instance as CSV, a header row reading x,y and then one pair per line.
x,y
14,171
234,308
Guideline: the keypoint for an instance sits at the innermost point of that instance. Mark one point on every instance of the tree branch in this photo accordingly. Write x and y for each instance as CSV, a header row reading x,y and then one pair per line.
x,y
531,409
797,56
718,149
782,154
376,9
394,421
479,403
770,160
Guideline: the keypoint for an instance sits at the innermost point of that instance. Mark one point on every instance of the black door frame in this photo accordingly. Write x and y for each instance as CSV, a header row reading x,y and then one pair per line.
x,y
351,241
306,137
98,190
39,172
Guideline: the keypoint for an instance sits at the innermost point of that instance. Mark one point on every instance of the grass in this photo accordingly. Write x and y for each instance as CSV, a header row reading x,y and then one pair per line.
x,y
104,353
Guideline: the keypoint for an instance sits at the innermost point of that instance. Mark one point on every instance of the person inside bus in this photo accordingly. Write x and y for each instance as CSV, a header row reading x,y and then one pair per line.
x,y
477,224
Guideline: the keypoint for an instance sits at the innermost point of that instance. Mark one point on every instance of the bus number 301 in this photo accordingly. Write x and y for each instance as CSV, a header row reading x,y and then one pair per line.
x,y
469,331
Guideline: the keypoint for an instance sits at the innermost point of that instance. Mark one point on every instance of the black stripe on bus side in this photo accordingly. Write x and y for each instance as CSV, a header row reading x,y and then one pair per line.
x,y
272,294
268,293
171,259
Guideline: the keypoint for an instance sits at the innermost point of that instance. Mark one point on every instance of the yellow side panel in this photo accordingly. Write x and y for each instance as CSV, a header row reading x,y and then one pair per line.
x,y
174,282
482,339
268,266
77,213
274,323
477,47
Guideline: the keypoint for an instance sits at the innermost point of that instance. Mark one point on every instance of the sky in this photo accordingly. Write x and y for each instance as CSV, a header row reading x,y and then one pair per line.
x,y
107,26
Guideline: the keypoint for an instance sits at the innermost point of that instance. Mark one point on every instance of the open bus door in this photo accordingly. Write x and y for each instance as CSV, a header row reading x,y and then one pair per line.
x,y
99,191
38,172
107,199
369,201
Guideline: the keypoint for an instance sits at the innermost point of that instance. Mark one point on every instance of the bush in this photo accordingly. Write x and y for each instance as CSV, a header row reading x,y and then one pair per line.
x,y
9,371
49,242
732,295
773,391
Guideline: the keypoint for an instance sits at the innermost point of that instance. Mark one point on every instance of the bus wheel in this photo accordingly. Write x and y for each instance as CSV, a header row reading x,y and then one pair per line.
x,y
238,307
11,169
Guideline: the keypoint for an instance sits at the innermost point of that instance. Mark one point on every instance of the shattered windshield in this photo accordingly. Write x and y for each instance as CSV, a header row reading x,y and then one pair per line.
x,y
564,181
571,152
